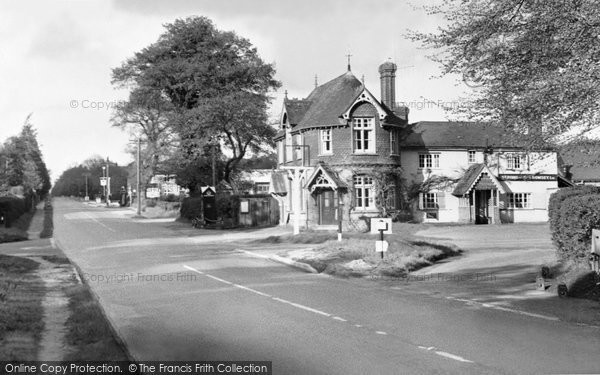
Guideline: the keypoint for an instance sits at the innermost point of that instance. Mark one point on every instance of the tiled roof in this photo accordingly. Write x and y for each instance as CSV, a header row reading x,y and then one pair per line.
x,y
459,134
472,174
330,100
584,158
295,109
331,176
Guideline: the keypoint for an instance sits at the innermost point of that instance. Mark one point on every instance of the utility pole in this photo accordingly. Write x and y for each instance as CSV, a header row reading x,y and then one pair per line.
x,y
214,164
107,183
139,193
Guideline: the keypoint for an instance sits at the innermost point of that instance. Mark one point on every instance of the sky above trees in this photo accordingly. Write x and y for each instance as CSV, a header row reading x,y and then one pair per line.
x,y
58,65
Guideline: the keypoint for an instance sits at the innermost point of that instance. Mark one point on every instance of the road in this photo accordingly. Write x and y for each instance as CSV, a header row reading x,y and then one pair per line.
x,y
174,295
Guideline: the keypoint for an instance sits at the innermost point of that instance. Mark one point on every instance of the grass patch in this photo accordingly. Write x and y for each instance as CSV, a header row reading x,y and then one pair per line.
x,y
87,330
302,238
403,256
21,311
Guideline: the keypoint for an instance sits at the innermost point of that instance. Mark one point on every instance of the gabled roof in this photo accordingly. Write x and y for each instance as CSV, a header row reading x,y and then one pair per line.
x,y
460,135
324,177
327,103
472,175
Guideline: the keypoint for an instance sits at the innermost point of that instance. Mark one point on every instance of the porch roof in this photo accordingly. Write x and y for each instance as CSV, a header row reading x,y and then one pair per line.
x,y
324,177
472,175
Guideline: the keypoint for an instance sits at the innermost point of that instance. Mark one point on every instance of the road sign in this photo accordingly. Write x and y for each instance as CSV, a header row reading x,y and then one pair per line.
x,y
381,246
102,181
379,224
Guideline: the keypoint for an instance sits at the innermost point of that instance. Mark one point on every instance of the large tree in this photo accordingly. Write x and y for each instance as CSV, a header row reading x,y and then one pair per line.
x,y
216,82
535,64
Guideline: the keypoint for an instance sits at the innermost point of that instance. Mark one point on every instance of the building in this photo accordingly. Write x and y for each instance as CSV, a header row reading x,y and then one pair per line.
x,y
345,156
580,162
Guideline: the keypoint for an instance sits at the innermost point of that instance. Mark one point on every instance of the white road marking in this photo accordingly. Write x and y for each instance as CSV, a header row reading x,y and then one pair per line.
x,y
34,247
445,354
99,222
495,307
319,312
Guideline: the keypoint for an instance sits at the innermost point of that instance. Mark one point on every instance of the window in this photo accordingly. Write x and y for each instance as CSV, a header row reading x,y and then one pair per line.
x,y
519,200
472,156
364,130
299,150
325,141
429,160
514,161
280,151
289,150
430,201
261,188
363,193
394,142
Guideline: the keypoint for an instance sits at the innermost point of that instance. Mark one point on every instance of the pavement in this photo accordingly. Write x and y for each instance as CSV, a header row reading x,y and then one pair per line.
x,y
178,295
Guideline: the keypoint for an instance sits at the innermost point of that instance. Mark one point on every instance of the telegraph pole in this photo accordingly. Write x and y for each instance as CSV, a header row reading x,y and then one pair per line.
x,y
139,193
107,183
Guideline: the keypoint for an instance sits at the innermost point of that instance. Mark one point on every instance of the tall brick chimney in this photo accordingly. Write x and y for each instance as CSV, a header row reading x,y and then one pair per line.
x,y
387,74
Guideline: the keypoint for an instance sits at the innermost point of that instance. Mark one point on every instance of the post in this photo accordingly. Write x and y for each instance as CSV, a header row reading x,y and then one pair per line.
x,y
107,184
381,239
214,171
339,215
297,202
139,193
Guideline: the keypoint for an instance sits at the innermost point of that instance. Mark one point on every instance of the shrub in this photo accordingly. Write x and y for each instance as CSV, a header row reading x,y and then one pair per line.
x,y
573,228
151,203
191,208
11,208
228,207
555,205
171,198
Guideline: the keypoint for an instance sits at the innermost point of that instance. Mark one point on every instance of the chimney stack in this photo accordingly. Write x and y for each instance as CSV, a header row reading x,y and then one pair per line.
x,y
387,74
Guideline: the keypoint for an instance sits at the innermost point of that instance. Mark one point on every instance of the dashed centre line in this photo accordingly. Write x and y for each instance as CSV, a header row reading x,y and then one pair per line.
x,y
318,312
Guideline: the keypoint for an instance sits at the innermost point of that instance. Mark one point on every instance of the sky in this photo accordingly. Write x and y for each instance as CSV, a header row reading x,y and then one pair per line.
x,y
56,59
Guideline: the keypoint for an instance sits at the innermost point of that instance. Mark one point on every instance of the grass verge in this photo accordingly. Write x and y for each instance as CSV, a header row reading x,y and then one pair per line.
x,y
48,228
88,332
21,311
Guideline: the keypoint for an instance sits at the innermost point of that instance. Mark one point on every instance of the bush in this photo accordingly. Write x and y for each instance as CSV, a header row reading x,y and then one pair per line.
x,y
191,208
573,228
228,206
151,203
555,207
11,208
171,198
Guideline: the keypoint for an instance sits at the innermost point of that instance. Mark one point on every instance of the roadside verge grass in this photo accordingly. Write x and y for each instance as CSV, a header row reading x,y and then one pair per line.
x,y
21,311
18,231
48,229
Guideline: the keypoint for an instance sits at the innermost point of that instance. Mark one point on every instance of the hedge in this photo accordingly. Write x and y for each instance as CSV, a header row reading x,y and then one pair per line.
x,y
191,207
555,208
573,229
228,207
12,208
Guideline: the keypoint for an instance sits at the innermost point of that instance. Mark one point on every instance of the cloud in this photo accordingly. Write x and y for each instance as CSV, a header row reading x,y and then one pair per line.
x,y
60,38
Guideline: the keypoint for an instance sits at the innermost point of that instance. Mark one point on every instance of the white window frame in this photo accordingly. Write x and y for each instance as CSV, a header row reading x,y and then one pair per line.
x,y
363,131
429,161
326,137
364,193
430,201
394,142
298,147
514,161
519,200
472,156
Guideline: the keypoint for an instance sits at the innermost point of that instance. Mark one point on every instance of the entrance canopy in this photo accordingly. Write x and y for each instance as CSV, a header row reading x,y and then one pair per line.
x,y
477,177
323,177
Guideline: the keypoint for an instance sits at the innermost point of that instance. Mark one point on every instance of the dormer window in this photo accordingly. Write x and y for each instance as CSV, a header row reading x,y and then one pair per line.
x,y
363,134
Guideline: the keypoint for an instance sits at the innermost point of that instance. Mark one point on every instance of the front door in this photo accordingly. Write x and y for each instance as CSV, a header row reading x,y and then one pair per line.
x,y
482,203
327,207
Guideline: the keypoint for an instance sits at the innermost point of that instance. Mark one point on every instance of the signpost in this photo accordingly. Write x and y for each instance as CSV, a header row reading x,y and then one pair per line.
x,y
381,225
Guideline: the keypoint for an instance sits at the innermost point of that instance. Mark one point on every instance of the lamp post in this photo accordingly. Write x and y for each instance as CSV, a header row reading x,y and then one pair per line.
x,y
105,181
87,196
139,193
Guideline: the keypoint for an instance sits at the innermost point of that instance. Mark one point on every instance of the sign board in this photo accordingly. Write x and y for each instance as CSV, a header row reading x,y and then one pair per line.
x,y
102,181
381,223
208,191
381,246
152,192
595,241
244,207
527,177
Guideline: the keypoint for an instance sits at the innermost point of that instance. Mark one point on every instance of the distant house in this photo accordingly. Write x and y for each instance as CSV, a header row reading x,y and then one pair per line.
x,y
255,181
581,162
334,145
162,186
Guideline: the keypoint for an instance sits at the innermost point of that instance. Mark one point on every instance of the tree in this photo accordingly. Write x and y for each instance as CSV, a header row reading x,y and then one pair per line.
x,y
535,63
146,115
215,81
73,180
